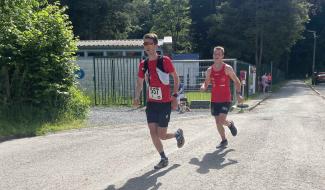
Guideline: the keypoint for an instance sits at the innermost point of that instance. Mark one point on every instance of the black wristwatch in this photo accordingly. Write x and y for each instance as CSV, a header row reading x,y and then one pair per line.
x,y
175,95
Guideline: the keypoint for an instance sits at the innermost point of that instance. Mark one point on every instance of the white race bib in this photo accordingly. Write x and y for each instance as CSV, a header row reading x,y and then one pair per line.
x,y
155,93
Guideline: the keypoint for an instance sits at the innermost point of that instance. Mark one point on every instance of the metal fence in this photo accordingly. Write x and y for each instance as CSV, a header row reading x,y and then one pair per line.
x,y
115,78
192,74
277,74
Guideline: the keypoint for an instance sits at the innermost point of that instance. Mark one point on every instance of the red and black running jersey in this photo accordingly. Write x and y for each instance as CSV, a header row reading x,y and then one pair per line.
x,y
157,91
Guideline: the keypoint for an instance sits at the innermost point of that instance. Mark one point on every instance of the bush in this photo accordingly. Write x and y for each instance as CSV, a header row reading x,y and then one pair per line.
x,y
37,53
77,105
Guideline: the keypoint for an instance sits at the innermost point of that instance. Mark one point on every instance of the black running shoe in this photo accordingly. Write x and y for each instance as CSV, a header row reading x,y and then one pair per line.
x,y
232,128
180,138
223,144
163,163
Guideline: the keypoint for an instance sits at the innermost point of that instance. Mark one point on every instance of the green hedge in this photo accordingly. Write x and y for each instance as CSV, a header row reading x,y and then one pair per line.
x,y
37,68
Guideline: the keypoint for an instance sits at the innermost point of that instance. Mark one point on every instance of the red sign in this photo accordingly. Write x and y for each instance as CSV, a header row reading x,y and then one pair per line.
x,y
242,75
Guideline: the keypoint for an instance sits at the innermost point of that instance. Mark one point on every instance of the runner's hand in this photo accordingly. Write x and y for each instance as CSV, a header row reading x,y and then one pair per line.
x,y
240,99
174,103
136,102
203,87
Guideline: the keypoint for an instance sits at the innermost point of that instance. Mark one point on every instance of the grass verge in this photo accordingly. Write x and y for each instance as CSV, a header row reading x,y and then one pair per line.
x,y
198,96
11,129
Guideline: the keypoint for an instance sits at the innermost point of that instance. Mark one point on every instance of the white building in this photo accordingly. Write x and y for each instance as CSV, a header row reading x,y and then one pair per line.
x,y
111,49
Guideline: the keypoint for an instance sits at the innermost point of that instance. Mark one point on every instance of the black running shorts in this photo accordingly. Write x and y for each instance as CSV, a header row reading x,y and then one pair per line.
x,y
158,113
222,107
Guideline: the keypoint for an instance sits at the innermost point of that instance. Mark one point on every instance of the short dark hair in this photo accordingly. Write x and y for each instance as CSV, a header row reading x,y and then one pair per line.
x,y
152,36
219,48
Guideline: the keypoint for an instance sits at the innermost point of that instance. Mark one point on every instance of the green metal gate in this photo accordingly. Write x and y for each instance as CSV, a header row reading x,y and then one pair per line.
x,y
114,80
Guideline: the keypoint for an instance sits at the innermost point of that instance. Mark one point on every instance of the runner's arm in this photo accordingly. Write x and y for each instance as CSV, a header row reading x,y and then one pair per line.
x,y
207,80
230,72
138,89
176,81
174,103
181,91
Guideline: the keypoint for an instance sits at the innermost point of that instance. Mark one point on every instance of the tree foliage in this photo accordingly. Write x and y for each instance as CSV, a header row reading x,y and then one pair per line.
x,y
116,19
141,18
302,52
257,31
99,19
204,20
172,19
37,50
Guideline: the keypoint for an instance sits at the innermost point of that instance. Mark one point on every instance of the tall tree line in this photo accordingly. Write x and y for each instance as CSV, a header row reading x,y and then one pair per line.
x,y
117,19
256,31
302,53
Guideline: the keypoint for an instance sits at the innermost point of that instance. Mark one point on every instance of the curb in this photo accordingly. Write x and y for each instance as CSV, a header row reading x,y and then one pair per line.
x,y
319,94
258,103
250,108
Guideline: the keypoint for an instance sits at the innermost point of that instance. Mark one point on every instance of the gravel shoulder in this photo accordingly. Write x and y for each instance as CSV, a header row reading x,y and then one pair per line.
x,y
112,116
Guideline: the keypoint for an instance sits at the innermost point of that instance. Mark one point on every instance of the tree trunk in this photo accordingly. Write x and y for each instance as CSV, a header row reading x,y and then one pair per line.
x,y
5,74
261,48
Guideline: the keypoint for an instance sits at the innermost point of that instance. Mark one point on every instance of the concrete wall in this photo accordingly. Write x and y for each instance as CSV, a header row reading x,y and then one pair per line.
x,y
86,83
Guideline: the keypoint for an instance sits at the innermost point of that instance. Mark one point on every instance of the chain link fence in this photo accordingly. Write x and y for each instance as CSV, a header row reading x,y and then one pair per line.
x,y
277,75
192,74
111,80
114,80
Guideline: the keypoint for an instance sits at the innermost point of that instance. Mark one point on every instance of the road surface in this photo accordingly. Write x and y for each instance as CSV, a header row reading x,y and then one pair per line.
x,y
280,145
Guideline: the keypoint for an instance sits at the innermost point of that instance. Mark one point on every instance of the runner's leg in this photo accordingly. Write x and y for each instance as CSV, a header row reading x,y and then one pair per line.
x,y
153,127
163,135
219,122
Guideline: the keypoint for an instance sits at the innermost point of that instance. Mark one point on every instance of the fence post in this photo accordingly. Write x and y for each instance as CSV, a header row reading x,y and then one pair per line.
x,y
113,79
234,87
94,78
271,83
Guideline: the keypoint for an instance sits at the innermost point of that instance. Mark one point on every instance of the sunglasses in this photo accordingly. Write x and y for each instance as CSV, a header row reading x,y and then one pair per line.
x,y
147,43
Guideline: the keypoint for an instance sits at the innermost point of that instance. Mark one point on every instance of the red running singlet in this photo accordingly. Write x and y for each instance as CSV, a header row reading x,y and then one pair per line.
x,y
220,85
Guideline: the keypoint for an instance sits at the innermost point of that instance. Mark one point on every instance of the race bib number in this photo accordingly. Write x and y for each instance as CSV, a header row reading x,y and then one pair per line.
x,y
155,93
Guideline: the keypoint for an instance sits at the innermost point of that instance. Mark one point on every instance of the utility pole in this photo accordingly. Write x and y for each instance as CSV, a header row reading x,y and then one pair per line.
x,y
314,51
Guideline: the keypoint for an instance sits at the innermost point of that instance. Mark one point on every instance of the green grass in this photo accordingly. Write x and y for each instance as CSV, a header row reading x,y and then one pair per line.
x,y
308,81
276,87
26,120
254,96
14,129
198,96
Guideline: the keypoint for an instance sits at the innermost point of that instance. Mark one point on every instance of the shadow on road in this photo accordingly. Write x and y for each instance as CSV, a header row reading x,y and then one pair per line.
x,y
213,160
146,181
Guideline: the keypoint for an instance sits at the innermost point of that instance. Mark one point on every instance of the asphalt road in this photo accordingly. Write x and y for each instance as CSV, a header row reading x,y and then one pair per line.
x,y
320,88
280,145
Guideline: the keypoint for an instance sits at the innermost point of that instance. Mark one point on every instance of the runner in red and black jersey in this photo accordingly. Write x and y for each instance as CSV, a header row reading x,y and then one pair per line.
x,y
219,75
159,98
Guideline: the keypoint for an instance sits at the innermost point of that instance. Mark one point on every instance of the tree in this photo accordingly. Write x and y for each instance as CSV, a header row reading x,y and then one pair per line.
x,y
37,48
141,18
258,31
172,18
99,19
202,13
302,53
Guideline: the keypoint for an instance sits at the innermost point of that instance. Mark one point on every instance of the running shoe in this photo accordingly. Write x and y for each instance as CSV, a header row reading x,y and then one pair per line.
x,y
180,138
232,128
223,144
163,163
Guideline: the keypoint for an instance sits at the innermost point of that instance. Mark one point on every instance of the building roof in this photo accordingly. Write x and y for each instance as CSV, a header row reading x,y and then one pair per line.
x,y
186,56
114,43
